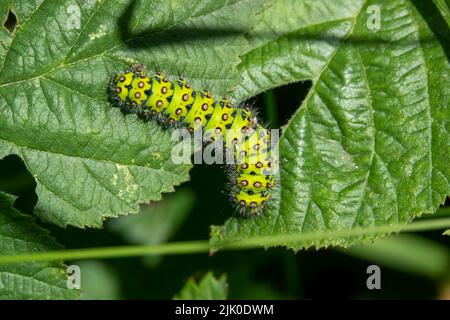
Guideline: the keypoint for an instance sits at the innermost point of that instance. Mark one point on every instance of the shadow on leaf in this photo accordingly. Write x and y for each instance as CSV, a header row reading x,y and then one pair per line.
x,y
167,34
181,33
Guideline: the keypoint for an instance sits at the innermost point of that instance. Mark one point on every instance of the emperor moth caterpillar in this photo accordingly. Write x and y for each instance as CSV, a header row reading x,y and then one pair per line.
x,y
175,103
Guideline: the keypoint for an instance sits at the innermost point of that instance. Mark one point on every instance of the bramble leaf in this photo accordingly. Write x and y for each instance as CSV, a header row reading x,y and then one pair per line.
x,y
90,161
208,288
19,234
369,145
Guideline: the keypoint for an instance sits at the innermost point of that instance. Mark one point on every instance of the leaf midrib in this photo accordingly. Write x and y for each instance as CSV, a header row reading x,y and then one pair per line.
x,y
128,165
303,107
430,119
75,43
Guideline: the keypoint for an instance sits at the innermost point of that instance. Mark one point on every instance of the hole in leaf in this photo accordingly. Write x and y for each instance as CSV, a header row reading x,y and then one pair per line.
x,y
10,22
277,106
16,179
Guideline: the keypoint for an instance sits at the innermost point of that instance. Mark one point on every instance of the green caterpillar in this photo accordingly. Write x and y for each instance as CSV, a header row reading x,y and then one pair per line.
x,y
176,104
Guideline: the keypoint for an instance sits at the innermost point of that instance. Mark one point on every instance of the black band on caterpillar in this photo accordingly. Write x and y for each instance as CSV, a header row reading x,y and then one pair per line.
x,y
176,103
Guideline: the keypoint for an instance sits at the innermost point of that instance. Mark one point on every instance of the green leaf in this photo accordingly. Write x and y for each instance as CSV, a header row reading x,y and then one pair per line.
x,y
21,10
156,222
444,9
98,281
33,280
296,47
208,288
369,145
90,161
407,253
446,232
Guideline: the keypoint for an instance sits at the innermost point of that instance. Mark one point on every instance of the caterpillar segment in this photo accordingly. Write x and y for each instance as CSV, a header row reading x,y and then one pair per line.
x,y
176,103
255,175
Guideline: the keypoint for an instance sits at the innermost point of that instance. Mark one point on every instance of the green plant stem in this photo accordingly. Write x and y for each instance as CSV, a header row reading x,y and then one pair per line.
x,y
191,247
